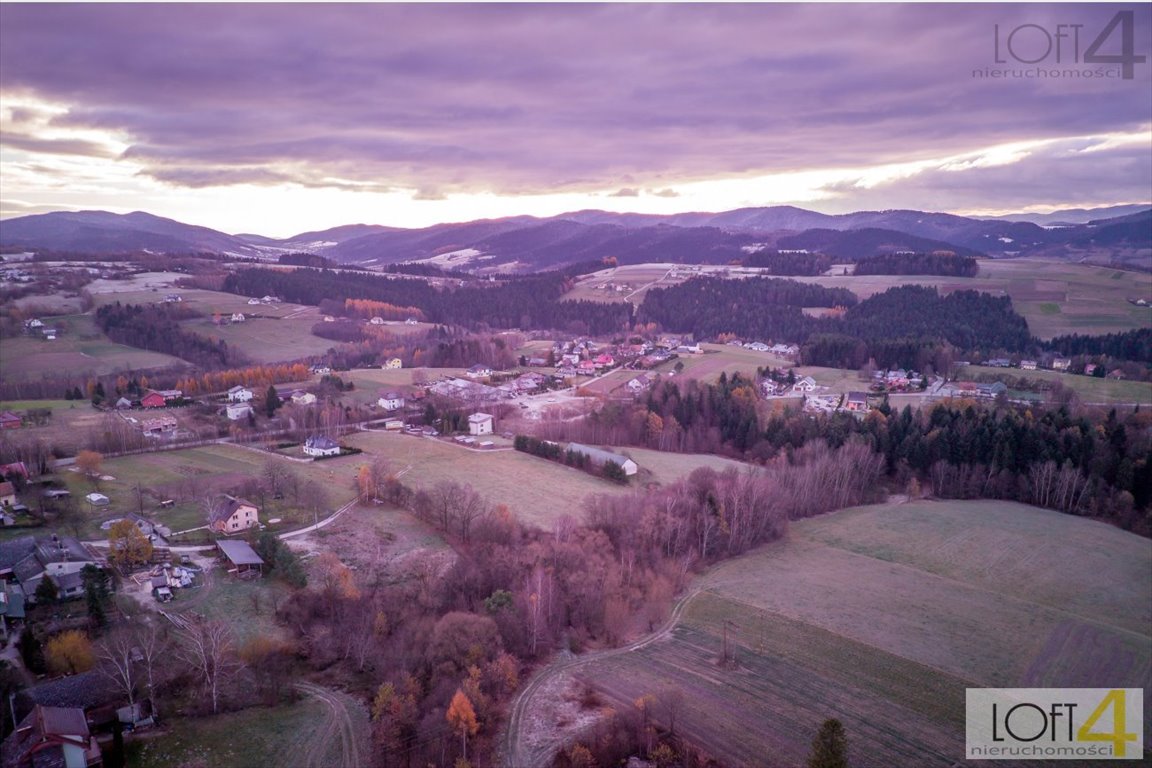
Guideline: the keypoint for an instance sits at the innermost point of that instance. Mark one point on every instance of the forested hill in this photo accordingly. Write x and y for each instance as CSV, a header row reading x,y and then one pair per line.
x,y
526,302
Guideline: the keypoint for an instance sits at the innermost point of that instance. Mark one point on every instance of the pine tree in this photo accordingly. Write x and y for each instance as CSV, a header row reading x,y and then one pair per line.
x,y
271,401
830,747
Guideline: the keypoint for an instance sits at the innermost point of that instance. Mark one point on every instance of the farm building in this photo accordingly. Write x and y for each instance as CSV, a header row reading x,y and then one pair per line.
x,y
480,424
239,394
232,515
123,404
237,411
153,400
7,494
160,426
1061,364
321,446
97,499
300,397
9,420
241,557
238,317
599,457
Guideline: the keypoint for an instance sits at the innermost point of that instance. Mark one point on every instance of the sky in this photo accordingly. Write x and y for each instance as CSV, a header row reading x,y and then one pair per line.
x,y
281,118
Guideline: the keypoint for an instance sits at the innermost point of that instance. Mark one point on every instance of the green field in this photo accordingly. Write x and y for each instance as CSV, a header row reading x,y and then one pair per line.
x,y
1089,388
1055,297
882,616
80,349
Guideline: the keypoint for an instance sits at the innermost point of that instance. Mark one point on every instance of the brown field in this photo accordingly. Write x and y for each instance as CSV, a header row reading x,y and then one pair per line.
x,y
882,615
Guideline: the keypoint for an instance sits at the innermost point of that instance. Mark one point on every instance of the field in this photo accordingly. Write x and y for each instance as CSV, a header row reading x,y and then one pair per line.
x,y
185,475
82,348
1056,297
881,616
1089,388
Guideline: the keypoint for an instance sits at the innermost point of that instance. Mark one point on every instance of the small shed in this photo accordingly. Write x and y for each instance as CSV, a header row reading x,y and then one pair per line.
x,y
242,558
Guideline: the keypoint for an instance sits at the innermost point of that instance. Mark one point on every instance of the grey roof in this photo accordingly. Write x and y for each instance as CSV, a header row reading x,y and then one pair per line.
x,y
15,550
85,690
239,553
64,549
598,455
63,721
226,507
859,397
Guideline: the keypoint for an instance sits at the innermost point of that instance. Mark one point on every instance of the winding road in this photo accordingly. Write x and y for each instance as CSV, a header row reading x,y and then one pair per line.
x,y
516,753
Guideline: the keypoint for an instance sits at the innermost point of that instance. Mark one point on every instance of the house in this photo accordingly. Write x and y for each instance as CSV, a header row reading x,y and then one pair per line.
x,y
320,445
599,457
391,401
604,361
479,372
269,299
239,394
15,468
9,420
52,737
393,425
237,411
410,321
321,370
757,346
392,364
123,404
1028,365
27,560
153,400
376,321
856,401
241,557
173,298
253,302
93,693
97,499
1090,369
1061,364
171,395
329,319
158,427
300,397
805,384
34,323
999,362
7,494
231,515
637,385
586,368
238,317
480,424
991,390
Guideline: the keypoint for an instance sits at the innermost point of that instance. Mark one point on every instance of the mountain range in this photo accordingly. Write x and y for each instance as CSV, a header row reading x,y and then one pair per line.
x,y
525,243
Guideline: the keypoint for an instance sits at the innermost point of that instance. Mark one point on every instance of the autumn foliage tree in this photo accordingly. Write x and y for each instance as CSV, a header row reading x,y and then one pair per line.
x,y
89,462
462,718
127,545
69,653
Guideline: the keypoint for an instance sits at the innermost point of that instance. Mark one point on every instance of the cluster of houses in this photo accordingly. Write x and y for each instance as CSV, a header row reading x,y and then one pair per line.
x,y
36,327
1060,364
26,560
970,389
780,350
896,380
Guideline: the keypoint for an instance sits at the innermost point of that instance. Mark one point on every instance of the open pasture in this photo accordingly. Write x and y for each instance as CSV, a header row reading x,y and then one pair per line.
x,y
1089,388
882,616
80,349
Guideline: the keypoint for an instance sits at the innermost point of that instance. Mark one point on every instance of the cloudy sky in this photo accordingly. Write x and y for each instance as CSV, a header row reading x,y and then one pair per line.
x,y
282,118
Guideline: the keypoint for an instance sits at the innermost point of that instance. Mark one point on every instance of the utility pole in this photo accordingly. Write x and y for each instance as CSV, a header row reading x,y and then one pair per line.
x,y
725,659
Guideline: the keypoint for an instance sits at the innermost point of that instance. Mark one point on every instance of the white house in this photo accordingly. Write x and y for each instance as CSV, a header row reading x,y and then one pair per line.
x,y
254,302
806,384
391,401
393,364
479,372
239,394
237,411
97,499
300,397
376,321
480,424
238,317
230,515
321,446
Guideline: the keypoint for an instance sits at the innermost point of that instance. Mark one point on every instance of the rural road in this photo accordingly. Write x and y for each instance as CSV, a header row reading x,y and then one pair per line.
x,y
339,730
516,753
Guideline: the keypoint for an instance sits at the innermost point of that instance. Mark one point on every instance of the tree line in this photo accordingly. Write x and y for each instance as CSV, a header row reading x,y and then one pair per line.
x,y
157,328
905,263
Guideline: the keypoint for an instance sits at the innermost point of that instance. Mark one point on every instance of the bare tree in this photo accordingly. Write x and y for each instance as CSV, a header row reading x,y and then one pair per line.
x,y
116,658
207,647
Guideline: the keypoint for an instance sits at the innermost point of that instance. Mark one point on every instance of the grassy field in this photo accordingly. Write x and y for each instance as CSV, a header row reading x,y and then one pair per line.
x,y
663,468
1089,388
881,616
537,491
81,348
268,339
1056,297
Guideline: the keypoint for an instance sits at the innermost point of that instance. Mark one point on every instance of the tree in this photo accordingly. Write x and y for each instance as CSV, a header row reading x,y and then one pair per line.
x,y
96,594
89,463
127,545
69,653
117,662
206,646
462,718
46,591
271,401
830,747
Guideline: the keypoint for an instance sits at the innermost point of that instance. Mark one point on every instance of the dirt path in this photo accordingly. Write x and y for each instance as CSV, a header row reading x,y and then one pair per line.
x,y
344,728
517,752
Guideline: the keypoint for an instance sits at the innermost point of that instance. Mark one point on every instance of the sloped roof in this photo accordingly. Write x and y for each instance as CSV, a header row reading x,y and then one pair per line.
x,y
239,553
85,690
599,455
321,442
15,550
225,509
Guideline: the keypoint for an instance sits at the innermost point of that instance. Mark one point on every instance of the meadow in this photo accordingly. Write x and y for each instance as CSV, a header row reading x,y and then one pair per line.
x,y
1089,388
882,616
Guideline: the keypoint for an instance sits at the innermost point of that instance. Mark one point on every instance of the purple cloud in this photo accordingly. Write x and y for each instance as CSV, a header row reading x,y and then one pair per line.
x,y
525,99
